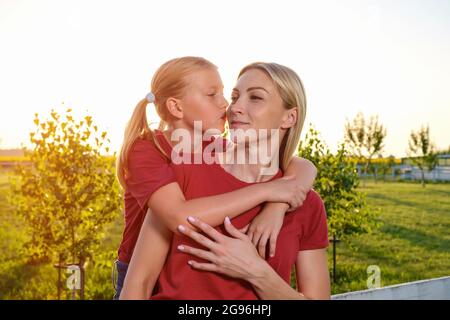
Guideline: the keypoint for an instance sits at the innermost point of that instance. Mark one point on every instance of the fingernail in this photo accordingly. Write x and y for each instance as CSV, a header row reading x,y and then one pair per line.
x,y
190,262
181,228
227,220
180,248
191,219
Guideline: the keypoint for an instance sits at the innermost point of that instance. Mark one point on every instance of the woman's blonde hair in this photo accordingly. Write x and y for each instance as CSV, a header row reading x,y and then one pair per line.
x,y
169,81
292,92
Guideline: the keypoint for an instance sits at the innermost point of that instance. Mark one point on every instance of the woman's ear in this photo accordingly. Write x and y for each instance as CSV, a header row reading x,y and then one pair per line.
x,y
290,118
174,107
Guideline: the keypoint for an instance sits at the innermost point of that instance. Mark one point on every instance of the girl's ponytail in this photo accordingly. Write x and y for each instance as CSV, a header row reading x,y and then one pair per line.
x,y
137,127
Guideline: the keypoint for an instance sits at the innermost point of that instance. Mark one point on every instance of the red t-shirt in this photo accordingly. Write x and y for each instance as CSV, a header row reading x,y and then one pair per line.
x,y
303,229
148,171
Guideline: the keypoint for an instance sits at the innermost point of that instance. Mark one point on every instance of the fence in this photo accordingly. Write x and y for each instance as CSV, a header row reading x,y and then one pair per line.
x,y
431,289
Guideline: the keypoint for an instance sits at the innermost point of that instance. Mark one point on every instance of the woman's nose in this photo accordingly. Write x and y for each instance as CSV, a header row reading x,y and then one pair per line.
x,y
236,107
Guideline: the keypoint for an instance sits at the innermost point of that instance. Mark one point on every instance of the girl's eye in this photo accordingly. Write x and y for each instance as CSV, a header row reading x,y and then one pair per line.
x,y
233,99
255,98
211,94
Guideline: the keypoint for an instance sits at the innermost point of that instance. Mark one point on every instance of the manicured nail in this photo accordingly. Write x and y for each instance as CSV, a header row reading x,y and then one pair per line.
x,y
181,228
180,248
227,220
190,262
191,219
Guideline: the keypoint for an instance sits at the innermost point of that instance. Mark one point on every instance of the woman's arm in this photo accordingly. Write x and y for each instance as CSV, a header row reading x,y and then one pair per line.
x,y
313,281
148,259
169,204
237,257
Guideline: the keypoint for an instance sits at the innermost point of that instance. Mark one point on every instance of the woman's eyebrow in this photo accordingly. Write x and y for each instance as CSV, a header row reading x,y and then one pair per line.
x,y
252,88
255,88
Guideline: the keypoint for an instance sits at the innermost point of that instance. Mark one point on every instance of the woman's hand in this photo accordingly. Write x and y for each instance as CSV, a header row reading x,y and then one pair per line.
x,y
234,256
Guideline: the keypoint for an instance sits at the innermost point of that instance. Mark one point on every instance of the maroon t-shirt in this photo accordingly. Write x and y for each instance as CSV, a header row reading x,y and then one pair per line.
x,y
303,229
148,170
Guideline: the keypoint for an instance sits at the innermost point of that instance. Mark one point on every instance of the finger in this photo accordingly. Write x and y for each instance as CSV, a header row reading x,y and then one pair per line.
x,y
197,237
206,228
250,233
244,229
232,230
256,236
206,255
205,266
262,245
273,243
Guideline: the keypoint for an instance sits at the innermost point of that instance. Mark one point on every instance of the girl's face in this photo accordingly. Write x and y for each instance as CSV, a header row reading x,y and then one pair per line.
x,y
256,104
204,101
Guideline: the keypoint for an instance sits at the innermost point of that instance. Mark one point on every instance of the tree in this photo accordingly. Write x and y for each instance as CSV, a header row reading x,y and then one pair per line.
x,y
67,191
365,139
337,181
422,151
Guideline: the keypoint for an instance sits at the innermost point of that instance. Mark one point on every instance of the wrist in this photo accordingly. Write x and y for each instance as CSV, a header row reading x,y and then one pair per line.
x,y
262,191
259,274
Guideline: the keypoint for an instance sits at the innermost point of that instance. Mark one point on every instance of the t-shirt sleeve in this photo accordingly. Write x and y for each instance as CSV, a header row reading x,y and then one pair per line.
x,y
148,170
315,228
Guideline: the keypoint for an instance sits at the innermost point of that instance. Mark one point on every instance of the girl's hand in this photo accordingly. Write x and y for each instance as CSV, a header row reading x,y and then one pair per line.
x,y
234,256
265,227
286,189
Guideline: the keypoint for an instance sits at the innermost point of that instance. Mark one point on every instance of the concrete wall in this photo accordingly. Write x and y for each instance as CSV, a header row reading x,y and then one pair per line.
x,y
432,289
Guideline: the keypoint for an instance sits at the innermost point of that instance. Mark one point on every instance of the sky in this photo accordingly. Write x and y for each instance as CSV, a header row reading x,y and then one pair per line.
x,y
385,58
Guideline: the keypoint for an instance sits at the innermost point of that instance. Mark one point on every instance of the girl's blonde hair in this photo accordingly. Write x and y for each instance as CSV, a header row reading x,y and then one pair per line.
x,y
293,95
169,81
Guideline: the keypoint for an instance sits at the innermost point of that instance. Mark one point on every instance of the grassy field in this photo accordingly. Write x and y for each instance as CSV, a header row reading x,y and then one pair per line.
x,y
413,243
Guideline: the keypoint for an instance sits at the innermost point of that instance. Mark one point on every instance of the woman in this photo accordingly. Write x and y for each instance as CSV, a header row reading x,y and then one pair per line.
x,y
184,90
267,96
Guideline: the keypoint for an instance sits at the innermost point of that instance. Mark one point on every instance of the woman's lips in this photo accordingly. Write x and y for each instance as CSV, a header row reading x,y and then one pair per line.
x,y
238,124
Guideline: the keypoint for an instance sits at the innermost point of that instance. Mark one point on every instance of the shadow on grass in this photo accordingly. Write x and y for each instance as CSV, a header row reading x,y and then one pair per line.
x,y
417,238
416,203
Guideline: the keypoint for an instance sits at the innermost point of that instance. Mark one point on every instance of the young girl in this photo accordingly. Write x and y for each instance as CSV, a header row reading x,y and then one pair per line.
x,y
185,90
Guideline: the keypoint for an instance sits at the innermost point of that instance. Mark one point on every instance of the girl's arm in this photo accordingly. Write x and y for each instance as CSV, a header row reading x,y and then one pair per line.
x,y
148,259
169,204
266,226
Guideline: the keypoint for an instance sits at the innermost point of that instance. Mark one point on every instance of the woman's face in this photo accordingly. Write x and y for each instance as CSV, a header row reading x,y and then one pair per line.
x,y
256,104
204,100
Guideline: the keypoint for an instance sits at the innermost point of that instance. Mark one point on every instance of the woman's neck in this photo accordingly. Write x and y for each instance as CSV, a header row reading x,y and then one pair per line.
x,y
247,164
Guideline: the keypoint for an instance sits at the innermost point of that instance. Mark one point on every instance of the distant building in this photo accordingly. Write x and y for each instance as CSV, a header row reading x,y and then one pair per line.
x,y
409,171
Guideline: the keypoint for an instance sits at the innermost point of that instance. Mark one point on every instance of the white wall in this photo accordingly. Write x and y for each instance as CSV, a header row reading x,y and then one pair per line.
x,y
432,289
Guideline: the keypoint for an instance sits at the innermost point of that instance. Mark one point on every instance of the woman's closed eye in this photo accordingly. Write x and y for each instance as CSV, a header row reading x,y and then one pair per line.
x,y
253,97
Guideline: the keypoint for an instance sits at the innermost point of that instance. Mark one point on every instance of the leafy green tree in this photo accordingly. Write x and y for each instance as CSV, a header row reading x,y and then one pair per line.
x,y
67,191
365,138
422,151
337,182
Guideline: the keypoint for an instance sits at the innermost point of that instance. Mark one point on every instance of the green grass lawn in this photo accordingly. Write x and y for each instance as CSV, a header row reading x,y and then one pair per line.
x,y
413,243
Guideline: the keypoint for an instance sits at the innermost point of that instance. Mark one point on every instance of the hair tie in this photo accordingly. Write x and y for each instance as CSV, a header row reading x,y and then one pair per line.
x,y
150,97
